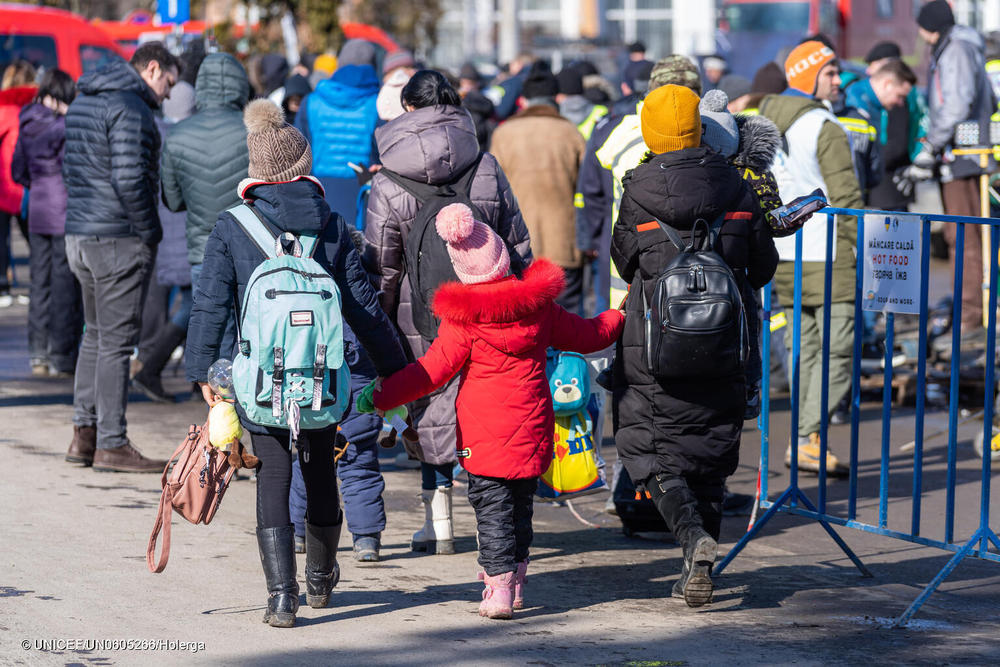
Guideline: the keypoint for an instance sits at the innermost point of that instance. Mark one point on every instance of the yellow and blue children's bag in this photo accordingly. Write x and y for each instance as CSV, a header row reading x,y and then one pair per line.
x,y
573,471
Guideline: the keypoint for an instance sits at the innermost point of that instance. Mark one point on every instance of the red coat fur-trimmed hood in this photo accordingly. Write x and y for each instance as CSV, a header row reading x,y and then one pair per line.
x,y
501,301
508,314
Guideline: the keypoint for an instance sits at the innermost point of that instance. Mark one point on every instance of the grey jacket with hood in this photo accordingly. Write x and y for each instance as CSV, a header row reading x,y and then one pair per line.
x,y
205,156
957,90
432,145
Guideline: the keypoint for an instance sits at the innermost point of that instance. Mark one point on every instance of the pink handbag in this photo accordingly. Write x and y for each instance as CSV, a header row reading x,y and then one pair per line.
x,y
195,486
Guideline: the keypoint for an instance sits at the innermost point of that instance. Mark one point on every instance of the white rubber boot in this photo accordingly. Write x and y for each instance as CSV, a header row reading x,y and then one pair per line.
x,y
425,535
436,534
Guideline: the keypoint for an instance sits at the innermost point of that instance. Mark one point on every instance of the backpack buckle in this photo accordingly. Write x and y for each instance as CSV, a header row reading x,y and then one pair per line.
x,y
277,380
319,370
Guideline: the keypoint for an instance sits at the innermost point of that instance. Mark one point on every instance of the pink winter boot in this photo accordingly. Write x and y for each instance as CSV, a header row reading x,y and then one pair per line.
x,y
497,596
519,577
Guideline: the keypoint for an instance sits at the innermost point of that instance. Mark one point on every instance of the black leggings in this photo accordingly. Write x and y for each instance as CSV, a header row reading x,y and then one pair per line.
x,y
274,479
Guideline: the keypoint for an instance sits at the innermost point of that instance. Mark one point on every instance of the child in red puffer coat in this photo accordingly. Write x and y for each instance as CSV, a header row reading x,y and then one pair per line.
x,y
495,329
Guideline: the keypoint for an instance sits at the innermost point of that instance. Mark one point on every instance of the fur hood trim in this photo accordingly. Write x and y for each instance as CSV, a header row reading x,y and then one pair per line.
x,y
505,300
759,142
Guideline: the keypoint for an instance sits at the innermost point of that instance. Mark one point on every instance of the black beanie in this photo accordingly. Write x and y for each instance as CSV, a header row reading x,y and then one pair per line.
x,y
936,16
570,81
541,82
883,50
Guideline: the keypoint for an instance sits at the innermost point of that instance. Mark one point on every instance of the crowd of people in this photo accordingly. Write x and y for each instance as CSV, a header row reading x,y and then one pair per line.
x,y
554,197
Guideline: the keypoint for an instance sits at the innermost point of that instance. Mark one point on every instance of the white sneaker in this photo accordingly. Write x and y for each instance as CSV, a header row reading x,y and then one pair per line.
x,y
23,299
6,301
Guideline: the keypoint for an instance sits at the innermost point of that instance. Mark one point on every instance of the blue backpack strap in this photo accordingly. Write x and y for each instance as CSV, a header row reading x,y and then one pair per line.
x,y
309,244
252,225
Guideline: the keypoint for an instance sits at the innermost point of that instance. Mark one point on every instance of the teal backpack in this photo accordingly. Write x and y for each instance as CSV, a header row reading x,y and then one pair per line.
x,y
569,381
290,372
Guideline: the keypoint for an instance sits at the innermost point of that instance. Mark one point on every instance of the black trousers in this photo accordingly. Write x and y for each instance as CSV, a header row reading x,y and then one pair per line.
x,y
274,478
504,508
6,243
687,502
55,312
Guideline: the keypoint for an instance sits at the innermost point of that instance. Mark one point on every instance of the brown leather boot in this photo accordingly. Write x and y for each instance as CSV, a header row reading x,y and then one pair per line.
x,y
125,459
81,449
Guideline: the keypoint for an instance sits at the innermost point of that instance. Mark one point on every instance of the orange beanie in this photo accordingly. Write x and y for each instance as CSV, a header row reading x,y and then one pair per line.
x,y
670,119
804,63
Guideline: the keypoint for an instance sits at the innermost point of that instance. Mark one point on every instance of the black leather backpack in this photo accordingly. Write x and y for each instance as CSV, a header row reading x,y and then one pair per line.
x,y
696,326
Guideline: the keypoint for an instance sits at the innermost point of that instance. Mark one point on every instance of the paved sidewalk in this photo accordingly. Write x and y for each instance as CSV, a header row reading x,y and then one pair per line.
x,y
72,546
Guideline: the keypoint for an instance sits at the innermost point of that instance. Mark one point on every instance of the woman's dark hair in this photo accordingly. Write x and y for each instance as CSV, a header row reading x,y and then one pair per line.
x,y
428,88
57,84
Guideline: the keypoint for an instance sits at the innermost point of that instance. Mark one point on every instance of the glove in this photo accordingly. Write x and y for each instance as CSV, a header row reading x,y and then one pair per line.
x,y
905,178
365,402
925,160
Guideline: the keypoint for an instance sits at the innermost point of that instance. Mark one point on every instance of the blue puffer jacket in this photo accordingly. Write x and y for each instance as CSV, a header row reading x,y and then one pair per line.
x,y
339,121
111,165
230,258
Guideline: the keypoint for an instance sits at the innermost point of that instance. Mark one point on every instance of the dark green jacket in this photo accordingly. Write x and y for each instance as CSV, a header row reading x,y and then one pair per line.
x,y
205,156
834,154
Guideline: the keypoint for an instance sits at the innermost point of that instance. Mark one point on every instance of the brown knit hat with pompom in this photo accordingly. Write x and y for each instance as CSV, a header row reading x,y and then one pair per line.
x,y
278,151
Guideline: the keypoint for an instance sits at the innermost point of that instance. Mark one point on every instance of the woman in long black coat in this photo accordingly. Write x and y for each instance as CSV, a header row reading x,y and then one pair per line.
x,y
680,438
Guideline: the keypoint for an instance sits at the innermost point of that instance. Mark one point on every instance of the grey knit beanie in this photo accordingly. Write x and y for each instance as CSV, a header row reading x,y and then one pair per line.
x,y
278,151
718,127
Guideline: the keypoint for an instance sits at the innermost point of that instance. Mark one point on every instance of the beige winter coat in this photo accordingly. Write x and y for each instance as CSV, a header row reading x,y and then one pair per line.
x,y
540,151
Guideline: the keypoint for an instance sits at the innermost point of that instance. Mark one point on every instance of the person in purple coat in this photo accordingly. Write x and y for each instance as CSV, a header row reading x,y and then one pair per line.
x,y
55,312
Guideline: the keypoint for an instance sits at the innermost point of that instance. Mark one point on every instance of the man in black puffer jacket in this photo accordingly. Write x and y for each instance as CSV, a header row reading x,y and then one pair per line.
x,y
680,438
111,170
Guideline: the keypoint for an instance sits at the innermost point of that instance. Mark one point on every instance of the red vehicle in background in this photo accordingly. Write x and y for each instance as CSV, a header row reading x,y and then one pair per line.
x,y
754,31
53,38
138,27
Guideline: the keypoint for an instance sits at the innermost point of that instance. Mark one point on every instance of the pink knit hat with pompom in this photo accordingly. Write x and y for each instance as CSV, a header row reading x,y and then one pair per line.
x,y
477,253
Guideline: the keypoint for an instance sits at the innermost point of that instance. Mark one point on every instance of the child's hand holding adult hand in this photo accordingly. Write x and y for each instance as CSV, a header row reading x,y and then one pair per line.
x,y
366,397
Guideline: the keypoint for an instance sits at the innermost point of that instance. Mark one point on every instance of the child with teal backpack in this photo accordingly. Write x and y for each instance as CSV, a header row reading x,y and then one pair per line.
x,y
286,262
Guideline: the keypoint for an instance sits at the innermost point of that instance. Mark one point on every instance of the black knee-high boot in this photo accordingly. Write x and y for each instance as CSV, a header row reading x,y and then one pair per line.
x,y
277,556
322,570
679,507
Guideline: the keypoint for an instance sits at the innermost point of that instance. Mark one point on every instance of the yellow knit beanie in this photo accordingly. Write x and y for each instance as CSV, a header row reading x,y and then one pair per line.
x,y
670,119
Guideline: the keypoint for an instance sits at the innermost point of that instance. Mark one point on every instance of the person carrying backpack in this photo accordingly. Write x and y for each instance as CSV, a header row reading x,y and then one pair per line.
x,y
679,387
289,265
495,331
433,144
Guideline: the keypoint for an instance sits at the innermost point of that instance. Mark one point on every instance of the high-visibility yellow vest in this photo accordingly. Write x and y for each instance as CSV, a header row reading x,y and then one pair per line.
x,y
859,129
586,127
622,152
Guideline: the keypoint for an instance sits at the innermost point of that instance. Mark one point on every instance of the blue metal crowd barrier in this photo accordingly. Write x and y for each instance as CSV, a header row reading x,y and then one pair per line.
x,y
793,500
